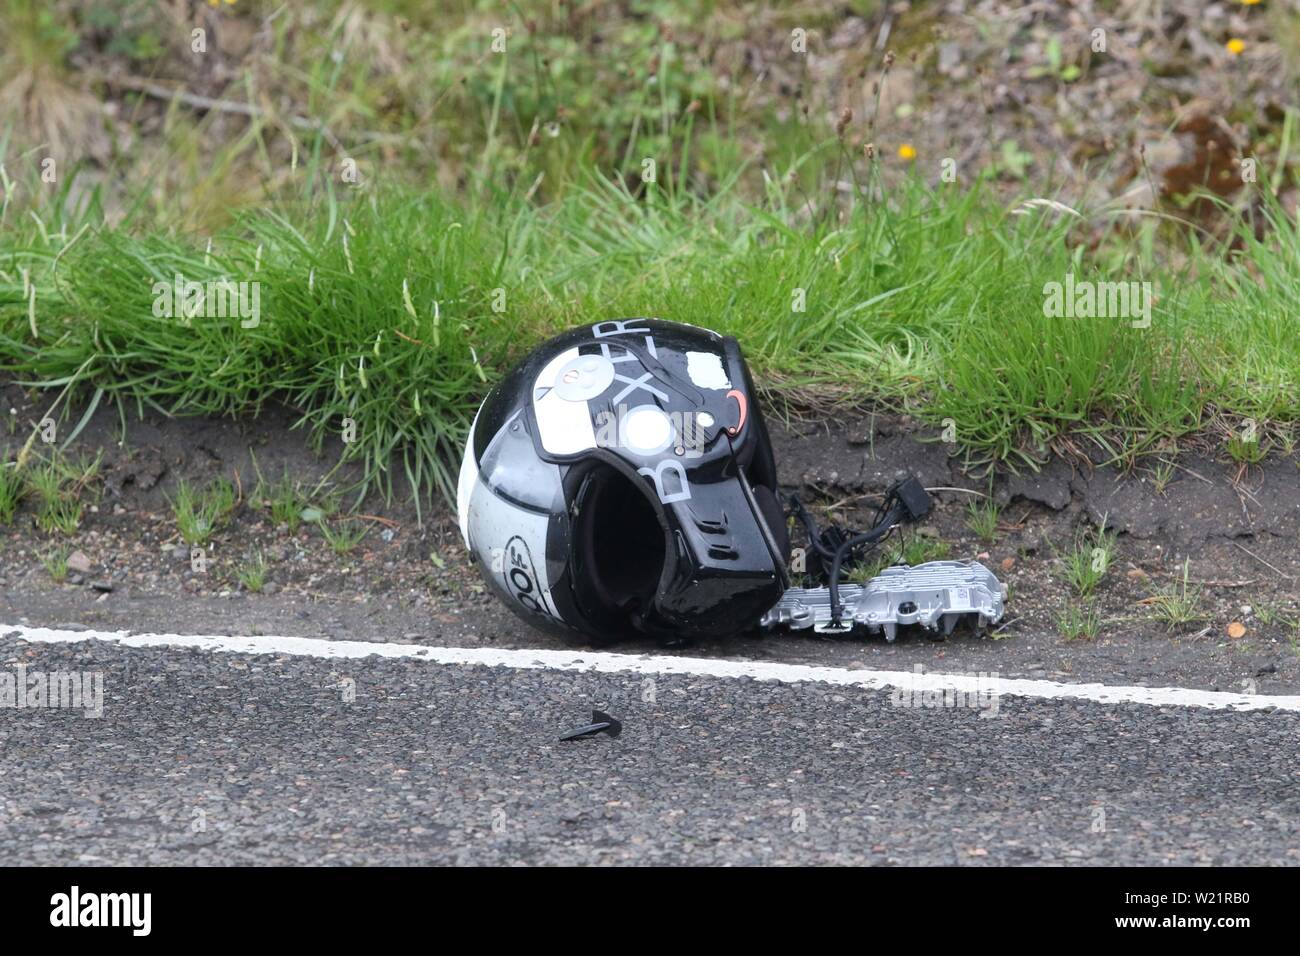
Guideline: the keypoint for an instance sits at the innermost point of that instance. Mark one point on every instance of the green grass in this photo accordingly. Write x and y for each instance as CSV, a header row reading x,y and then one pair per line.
x,y
1246,451
60,515
287,504
12,490
344,536
386,315
290,502
1079,622
252,573
1177,604
201,512
1270,614
982,520
1087,560
909,548
1162,473
57,484
56,563
500,201
284,499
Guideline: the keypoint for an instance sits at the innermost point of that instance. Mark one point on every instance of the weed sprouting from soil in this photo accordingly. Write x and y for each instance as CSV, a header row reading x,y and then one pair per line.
x,y
55,562
1177,604
1086,562
253,572
982,520
1079,621
343,536
201,512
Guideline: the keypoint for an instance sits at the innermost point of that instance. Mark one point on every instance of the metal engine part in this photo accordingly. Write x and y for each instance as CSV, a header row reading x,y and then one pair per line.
x,y
935,595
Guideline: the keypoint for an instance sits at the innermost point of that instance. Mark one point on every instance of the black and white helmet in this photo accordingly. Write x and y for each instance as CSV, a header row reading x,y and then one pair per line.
x,y
620,480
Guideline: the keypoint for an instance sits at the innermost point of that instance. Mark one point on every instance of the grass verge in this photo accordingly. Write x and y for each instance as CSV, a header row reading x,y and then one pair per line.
x,y
384,316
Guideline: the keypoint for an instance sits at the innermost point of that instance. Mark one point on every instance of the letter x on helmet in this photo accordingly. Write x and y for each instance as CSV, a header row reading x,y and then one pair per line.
x,y
620,480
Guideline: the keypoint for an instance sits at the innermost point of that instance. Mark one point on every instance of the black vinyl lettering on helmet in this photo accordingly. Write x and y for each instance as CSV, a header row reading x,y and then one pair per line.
x,y
521,576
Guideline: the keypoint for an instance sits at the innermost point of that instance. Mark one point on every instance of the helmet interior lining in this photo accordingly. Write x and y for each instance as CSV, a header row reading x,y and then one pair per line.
x,y
621,542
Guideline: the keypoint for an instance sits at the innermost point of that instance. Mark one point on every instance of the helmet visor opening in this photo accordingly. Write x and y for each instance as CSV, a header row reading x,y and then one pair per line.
x,y
620,542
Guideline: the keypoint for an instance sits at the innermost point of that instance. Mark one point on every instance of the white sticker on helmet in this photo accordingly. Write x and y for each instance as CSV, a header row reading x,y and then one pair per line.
x,y
646,430
584,377
706,371
564,427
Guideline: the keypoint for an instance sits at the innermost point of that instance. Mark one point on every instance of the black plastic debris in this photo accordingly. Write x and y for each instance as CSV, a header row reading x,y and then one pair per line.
x,y
601,723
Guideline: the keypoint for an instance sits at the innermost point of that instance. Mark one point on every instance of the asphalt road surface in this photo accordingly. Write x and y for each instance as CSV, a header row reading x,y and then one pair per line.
x,y
234,757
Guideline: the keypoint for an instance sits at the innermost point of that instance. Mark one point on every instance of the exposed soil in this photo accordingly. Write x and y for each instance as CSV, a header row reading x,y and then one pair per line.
x,y
411,582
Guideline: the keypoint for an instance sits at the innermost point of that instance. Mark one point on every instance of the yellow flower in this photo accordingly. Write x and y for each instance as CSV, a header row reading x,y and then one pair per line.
x,y
1235,46
906,151
1248,3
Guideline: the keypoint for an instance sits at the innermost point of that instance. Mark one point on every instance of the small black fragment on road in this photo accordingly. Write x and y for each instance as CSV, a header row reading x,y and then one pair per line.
x,y
601,723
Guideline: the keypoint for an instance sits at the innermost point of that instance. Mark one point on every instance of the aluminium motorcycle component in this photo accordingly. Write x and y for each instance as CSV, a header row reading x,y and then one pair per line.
x,y
935,595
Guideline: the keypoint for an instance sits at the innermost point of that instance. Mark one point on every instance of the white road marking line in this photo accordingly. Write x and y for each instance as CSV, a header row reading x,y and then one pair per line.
x,y
603,662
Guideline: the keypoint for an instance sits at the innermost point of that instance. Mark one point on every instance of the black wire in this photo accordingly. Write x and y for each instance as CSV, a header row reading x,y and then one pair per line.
x,y
889,513
883,525
810,526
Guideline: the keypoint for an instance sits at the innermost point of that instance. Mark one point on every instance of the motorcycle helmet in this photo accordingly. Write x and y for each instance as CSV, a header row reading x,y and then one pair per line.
x,y
620,481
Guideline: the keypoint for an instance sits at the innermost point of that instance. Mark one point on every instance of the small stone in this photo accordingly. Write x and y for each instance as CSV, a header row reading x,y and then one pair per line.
x,y
78,561
1008,564
103,585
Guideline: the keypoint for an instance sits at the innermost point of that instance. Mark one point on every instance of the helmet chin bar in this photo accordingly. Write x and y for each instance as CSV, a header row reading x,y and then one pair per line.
x,y
936,595
725,565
